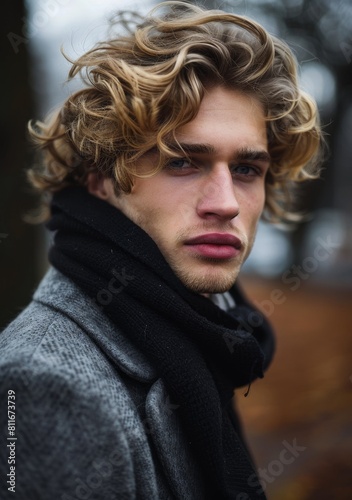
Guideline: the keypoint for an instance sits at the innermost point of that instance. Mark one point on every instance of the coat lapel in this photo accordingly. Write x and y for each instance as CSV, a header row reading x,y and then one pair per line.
x,y
173,449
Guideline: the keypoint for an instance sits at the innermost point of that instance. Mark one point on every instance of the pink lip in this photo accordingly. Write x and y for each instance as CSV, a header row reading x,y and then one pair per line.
x,y
215,245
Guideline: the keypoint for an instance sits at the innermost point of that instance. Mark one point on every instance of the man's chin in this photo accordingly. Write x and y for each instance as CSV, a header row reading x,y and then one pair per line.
x,y
212,289
206,277
208,285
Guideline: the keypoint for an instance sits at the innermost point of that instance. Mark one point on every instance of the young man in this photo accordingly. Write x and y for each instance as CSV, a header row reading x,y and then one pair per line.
x,y
120,374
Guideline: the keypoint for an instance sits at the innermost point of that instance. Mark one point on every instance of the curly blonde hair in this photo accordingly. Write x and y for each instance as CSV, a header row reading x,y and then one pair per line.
x,y
141,86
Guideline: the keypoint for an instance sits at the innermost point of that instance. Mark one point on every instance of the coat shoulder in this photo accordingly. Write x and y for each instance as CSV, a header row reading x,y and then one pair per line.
x,y
74,410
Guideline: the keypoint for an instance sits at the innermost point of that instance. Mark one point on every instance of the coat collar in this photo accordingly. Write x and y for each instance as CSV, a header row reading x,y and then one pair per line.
x,y
59,292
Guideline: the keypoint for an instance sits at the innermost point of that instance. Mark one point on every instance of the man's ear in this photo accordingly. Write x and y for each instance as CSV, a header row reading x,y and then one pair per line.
x,y
99,186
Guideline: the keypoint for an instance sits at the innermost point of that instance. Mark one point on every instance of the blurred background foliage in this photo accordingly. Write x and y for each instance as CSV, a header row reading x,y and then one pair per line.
x,y
309,387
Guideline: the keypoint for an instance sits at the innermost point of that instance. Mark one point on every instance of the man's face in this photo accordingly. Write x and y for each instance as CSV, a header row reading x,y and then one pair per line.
x,y
202,210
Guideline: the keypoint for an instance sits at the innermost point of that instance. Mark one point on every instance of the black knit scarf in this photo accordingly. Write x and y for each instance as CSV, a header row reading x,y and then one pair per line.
x,y
201,352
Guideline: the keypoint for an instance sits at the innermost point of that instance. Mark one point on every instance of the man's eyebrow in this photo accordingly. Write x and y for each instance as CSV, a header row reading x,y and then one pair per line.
x,y
248,154
243,154
191,148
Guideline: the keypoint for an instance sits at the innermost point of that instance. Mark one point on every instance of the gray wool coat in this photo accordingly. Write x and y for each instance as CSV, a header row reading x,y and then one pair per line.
x,y
92,418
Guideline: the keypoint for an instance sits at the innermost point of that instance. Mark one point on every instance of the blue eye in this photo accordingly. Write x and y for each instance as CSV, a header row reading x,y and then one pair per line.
x,y
245,170
178,163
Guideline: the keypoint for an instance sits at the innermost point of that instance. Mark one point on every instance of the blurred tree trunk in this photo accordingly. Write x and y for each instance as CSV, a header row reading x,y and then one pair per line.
x,y
18,240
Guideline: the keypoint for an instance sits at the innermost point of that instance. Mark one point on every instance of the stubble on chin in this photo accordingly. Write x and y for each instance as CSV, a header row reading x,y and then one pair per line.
x,y
206,276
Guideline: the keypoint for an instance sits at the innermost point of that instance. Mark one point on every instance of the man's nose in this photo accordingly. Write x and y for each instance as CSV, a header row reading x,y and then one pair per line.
x,y
217,197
